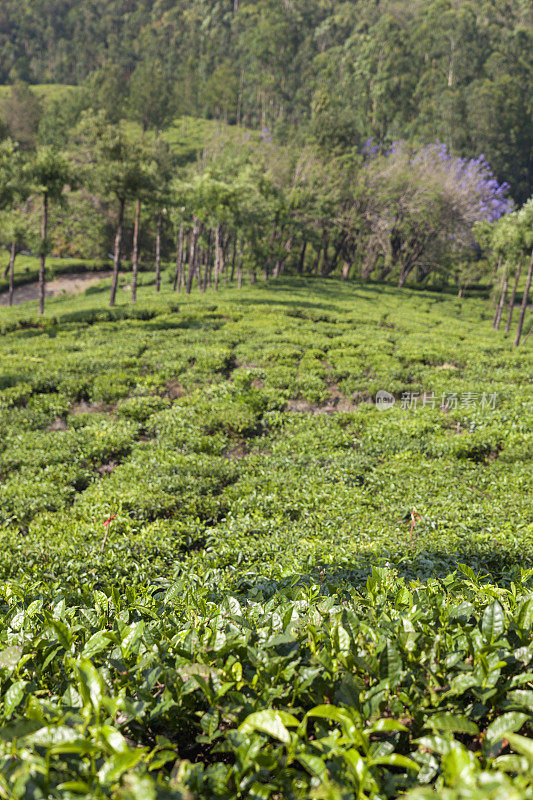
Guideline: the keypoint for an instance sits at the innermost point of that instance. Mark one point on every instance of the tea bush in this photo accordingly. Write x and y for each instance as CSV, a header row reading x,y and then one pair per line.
x,y
225,573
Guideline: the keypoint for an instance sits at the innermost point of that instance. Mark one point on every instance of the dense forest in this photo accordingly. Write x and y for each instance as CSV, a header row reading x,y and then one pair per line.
x,y
340,72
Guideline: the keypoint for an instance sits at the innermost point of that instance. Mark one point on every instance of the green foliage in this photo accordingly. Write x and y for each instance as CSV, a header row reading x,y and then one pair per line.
x,y
50,173
332,72
21,112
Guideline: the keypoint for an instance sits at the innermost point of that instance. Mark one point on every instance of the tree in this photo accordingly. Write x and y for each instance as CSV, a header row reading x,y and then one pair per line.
x,y
151,101
14,191
119,173
16,231
163,168
144,193
50,174
525,224
420,206
10,172
106,90
60,117
21,112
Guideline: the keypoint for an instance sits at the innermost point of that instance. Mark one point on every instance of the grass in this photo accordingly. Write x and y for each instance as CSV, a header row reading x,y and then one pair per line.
x,y
299,595
47,92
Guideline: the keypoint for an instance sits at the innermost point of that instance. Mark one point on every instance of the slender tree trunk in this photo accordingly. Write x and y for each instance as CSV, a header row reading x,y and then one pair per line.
x,y
192,253
225,248
324,264
218,256
301,262
12,256
405,271
280,263
524,303
501,303
234,256
158,252
268,260
345,270
179,259
513,295
184,260
368,265
198,268
116,256
208,262
42,262
202,274
495,273
240,259
239,97
135,252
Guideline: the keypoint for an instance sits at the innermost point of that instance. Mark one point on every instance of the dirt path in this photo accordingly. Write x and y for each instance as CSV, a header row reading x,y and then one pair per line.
x,y
65,284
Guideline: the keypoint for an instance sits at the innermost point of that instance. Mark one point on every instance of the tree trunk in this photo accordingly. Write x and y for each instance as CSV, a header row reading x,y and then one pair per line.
x,y
233,259
345,270
116,256
513,296
524,303
158,252
12,256
135,252
240,259
198,268
368,265
495,273
208,262
268,260
225,257
192,253
202,275
329,266
179,260
218,256
280,263
501,302
301,262
184,259
42,262
324,259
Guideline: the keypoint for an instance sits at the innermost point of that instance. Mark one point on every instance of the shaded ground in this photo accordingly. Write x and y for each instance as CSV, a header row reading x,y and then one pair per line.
x,y
66,284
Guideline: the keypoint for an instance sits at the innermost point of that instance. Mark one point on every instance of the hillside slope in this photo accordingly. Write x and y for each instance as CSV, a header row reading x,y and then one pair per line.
x,y
209,531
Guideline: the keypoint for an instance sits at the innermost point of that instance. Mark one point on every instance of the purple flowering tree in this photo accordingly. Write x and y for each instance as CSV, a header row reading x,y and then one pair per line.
x,y
419,208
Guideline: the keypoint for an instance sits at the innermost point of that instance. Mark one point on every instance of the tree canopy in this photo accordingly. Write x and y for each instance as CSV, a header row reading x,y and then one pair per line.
x,y
341,73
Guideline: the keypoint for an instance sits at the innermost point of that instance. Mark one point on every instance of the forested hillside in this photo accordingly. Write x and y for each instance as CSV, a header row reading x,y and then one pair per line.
x,y
336,72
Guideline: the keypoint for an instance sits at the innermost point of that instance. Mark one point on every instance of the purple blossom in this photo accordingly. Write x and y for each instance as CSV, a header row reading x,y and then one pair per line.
x,y
474,176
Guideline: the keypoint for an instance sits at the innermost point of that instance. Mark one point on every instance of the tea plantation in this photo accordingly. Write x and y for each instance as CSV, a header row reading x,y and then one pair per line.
x,y
227,573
